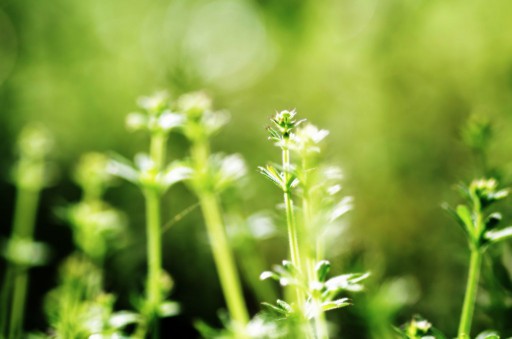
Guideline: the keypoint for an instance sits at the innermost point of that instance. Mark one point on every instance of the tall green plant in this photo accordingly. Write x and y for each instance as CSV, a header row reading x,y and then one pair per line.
x,y
31,175
480,228
210,175
153,175
316,187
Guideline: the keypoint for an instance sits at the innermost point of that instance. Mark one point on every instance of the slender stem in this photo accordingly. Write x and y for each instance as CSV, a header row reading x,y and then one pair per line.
x,y
154,239
470,297
222,252
321,331
293,237
224,260
154,253
5,300
18,303
27,201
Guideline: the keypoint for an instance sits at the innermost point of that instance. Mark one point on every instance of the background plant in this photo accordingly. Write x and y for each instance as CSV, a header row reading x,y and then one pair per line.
x,y
153,176
31,175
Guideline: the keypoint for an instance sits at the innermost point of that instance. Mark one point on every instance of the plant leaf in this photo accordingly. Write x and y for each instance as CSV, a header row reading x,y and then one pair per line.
x,y
499,235
339,303
168,309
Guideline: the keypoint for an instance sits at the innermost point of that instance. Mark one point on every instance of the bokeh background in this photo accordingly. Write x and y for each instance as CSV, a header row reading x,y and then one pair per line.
x,y
392,80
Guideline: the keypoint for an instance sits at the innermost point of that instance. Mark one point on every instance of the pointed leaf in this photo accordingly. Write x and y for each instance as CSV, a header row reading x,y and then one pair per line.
x,y
499,235
322,269
339,303
270,173
122,168
465,215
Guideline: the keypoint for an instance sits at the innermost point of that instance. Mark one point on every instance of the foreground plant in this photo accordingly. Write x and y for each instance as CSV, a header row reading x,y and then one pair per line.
x,y
210,175
31,175
153,176
480,228
307,271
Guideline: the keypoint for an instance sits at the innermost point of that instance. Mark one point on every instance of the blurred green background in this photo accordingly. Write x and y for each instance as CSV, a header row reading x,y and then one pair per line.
x,y
392,80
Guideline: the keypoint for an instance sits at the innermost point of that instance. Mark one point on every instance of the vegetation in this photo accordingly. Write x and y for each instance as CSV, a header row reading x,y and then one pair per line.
x,y
210,214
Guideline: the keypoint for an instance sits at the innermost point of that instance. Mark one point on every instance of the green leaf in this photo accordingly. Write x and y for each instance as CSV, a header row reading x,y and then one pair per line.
x,y
271,173
492,220
285,306
322,269
499,235
269,274
339,303
123,318
121,167
349,282
488,334
168,309
465,215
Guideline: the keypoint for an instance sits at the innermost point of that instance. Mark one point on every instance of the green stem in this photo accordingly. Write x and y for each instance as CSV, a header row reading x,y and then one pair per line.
x,y
154,239
470,297
18,303
224,260
27,201
154,254
293,237
321,331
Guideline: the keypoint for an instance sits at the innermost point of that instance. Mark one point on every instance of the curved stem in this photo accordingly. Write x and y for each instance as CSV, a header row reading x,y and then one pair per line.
x,y
470,297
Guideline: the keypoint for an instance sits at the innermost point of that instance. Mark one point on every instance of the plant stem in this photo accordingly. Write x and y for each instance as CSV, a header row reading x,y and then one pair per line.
x,y
154,239
321,331
224,260
154,253
24,222
470,297
222,252
293,238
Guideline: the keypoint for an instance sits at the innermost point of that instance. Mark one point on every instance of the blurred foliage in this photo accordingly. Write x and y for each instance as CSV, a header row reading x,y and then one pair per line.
x,y
392,80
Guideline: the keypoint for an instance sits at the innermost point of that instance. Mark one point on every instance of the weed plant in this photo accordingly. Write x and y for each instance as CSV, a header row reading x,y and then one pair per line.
x,y
312,206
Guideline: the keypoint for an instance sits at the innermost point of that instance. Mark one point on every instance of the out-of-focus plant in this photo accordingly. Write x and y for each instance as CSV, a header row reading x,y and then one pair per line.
x,y
78,307
153,176
210,175
31,175
306,272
